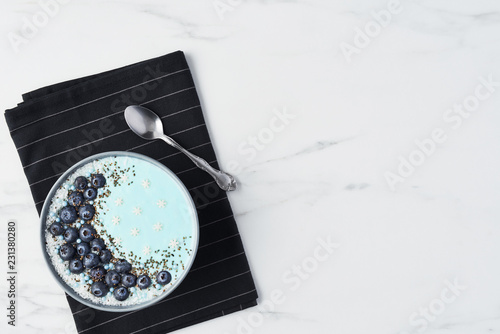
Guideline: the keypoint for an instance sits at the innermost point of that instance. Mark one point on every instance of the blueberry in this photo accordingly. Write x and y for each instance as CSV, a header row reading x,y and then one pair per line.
x,y
87,233
112,278
97,273
99,289
143,282
66,252
76,266
129,280
56,229
90,194
122,266
90,260
98,180
81,182
70,235
163,277
83,248
75,198
120,293
97,245
105,256
86,212
68,214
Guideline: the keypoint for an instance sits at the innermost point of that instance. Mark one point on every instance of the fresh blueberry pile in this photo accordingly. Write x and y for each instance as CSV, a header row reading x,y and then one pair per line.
x,y
86,251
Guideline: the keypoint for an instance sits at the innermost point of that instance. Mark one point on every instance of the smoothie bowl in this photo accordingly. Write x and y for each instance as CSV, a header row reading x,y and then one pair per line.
x,y
119,231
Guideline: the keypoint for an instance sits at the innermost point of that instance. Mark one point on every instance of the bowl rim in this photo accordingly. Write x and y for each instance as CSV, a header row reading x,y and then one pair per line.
x,y
43,217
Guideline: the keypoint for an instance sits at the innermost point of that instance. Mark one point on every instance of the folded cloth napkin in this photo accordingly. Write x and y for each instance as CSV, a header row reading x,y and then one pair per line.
x,y
59,125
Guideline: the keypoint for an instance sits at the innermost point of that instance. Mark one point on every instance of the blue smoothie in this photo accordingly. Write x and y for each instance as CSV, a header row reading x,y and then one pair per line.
x,y
143,214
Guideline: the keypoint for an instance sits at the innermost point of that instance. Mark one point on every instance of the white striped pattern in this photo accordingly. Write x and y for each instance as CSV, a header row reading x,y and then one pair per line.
x,y
74,148
216,221
207,204
186,170
183,294
151,141
113,114
163,301
199,309
218,261
232,236
192,168
192,148
73,128
201,185
175,113
95,141
32,184
101,118
100,98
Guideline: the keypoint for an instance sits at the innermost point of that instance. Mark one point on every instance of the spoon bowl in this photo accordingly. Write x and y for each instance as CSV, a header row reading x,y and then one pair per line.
x,y
144,122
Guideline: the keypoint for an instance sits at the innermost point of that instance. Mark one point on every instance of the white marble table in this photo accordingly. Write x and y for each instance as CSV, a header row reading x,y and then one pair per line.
x,y
387,146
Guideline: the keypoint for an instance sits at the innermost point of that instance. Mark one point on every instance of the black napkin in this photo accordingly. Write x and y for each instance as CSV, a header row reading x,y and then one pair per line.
x,y
58,125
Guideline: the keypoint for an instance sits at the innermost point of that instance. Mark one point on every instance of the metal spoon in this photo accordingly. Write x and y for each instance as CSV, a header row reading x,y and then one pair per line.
x,y
146,124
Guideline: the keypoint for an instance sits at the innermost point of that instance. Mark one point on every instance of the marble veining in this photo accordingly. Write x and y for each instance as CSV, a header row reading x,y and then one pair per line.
x,y
332,247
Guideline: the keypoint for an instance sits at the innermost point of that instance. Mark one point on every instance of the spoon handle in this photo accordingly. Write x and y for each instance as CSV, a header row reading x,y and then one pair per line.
x,y
224,180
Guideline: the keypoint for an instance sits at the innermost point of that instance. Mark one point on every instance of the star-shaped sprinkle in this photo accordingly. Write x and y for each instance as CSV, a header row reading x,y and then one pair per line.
x,y
118,241
161,203
158,227
119,201
146,184
137,211
147,250
134,232
173,243
115,220
124,178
